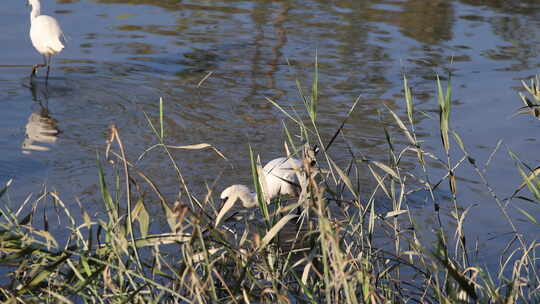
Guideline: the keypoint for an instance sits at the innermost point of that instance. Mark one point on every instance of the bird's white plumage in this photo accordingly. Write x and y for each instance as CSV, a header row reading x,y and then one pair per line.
x,y
45,34
280,177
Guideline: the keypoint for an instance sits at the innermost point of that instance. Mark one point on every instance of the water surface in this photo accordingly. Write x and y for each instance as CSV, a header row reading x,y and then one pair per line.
x,y
121,56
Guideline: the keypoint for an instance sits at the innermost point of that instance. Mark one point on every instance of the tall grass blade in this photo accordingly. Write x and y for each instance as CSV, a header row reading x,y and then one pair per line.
x,y
408,100
314,92
272,233
110,206
331,141
142,217
261,199
444,100
161,127
4,189
529,216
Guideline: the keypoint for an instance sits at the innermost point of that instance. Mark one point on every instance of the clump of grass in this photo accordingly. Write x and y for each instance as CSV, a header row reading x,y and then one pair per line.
x,y
344,247
531,106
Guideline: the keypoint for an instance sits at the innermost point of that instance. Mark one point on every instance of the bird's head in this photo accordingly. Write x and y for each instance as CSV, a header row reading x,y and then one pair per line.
x,y
228,197
233,192
32,3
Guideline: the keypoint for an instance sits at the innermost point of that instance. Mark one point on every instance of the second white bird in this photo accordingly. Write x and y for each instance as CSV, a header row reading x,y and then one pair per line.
x,y
281,177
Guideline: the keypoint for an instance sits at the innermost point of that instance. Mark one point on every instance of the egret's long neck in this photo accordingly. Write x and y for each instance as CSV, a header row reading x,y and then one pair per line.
x,y
36,11
249,200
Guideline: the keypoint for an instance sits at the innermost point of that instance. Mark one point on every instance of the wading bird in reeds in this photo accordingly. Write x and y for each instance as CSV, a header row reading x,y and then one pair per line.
x,y
282,176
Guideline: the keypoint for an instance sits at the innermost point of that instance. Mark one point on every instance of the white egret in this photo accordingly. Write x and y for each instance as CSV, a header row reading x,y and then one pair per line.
x,y
46,34
281,177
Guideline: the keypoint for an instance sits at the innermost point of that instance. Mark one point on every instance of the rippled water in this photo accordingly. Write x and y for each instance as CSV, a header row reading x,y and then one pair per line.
x,y
121,56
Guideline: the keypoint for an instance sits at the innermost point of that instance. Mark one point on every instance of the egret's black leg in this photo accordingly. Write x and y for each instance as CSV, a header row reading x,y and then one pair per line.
x,y
48,68
33,73
35,67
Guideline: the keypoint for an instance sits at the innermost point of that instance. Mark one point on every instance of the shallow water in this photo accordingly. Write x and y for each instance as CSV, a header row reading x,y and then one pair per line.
x,y
121,56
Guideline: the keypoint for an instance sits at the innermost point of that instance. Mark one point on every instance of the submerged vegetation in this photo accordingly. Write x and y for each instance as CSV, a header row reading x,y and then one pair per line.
x,y
344,246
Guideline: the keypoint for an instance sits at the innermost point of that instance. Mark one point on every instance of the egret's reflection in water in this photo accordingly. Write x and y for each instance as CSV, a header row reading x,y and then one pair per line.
x,y
41,129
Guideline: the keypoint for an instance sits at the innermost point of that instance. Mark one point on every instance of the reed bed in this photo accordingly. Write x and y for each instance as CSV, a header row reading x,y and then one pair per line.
x,y
332,244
